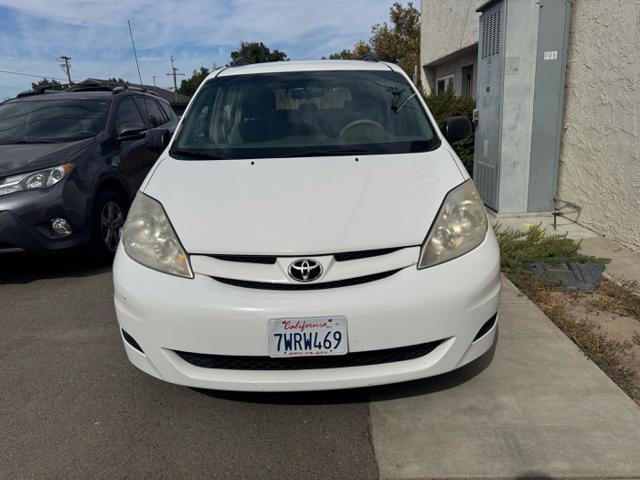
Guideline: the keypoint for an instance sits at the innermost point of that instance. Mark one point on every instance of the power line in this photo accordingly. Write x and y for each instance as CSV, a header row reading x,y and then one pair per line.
x,y
31,75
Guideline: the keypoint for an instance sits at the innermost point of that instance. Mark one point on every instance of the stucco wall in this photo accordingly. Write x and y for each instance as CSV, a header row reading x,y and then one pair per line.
x,y
447,26
599,157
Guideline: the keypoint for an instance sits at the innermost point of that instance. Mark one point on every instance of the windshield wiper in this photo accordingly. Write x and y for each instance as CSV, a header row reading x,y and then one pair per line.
x,y
323,153
396,93
399,107
196,155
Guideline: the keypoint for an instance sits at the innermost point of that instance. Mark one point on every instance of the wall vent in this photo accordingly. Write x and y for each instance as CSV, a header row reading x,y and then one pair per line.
x,y
491,34
487,182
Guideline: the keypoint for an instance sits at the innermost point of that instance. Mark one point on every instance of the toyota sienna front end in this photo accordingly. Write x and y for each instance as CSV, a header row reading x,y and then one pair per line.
x,y
308,227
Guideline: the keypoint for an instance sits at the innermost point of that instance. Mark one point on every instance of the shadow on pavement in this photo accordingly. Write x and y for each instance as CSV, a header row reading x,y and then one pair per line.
x,y
367,394
22,268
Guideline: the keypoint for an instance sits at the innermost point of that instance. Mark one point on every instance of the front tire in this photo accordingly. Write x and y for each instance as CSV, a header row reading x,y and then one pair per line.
x,y
109,215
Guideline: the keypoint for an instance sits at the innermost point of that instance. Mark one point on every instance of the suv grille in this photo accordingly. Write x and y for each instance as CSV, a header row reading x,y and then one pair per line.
x,y
355,359
306,286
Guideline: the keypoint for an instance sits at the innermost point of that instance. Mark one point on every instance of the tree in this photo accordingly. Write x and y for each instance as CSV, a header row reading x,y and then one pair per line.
x,y
45,83
116,80
257,52
359,50
189,86
399,42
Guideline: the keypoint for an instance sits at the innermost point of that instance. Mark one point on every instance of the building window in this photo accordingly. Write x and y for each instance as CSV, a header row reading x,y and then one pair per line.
x,y
468,88
443,84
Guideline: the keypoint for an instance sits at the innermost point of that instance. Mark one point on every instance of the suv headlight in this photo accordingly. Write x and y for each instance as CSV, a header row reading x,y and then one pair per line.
x,y
149,238
460,227
33,180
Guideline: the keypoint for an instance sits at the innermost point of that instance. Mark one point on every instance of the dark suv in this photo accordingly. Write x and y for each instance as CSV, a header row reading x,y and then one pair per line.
x,y
71,162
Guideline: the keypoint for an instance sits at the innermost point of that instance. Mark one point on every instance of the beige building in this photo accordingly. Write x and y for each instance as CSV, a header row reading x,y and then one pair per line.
x,y
598,169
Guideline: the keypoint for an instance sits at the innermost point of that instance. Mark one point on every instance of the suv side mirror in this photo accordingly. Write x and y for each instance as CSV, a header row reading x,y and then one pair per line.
x,y
158,139
456,128
130,131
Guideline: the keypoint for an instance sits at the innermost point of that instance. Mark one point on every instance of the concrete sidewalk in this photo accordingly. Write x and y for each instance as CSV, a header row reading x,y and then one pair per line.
x,y
625,264
541,409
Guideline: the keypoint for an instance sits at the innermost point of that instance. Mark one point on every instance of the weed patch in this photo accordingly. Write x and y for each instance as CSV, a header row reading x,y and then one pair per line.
x,y
620,299
518,248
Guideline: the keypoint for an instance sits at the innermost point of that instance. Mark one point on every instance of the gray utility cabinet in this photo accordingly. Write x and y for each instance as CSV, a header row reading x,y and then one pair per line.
x,y
522,52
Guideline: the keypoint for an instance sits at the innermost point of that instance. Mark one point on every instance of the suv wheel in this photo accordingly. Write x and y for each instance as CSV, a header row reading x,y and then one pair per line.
x,y
109,216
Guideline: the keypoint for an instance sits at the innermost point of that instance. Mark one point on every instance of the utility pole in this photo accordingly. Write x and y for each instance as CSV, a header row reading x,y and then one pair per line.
x,y
154,81
174,73
66,67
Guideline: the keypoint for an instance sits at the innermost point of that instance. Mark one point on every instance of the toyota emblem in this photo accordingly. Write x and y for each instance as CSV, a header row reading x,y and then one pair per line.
x,y
305,270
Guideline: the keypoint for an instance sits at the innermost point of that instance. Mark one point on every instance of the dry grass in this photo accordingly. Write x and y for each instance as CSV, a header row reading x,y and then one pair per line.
x,y
620,299
518,248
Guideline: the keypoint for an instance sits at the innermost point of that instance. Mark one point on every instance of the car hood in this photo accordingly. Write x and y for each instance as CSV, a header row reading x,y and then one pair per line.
x,y
28,157
303,206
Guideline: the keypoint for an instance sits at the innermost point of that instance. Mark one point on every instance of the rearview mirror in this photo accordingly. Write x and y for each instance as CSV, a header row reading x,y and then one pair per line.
x,y
304,93
456,128
158,139
130,131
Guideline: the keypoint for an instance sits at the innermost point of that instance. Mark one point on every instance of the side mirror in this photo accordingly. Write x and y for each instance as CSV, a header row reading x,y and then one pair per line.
x,y
130,131
456,128
157,139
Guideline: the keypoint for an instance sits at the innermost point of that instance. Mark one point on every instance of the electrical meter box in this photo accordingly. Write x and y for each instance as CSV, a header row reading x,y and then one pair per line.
x,y
522,52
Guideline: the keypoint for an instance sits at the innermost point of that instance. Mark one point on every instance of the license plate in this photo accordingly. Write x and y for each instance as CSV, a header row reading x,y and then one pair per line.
x,y
300,337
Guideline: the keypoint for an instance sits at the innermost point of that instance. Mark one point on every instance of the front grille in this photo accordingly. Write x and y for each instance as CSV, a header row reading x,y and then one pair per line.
x,y
306,286
262,259
355,359
271,259
346,256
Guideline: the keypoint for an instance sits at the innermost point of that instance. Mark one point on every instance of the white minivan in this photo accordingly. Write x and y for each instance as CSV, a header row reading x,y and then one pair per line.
x,y
308,227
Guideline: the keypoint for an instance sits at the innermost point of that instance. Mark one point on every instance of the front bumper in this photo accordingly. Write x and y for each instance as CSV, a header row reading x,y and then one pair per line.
x,y
448,303
25,219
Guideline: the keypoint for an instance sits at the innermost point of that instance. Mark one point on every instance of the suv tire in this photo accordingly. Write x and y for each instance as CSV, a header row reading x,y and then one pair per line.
x,y
109,214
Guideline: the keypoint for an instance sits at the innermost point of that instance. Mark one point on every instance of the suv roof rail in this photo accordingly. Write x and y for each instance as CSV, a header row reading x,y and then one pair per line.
x,y
369,57
89,87
37,91
114,88
240,61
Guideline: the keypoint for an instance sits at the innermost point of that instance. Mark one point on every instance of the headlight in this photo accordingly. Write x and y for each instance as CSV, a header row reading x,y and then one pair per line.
x,y
460,227
149,238
33,180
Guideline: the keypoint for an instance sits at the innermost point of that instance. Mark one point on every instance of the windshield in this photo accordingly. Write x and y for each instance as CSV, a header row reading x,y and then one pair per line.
x,y
51,121
304,114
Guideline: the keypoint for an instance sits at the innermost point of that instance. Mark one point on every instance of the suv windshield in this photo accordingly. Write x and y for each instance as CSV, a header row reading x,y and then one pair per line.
x,y
304,114
51,121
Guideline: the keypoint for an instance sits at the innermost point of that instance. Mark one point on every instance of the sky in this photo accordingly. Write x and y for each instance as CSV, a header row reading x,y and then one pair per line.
x,y
95,34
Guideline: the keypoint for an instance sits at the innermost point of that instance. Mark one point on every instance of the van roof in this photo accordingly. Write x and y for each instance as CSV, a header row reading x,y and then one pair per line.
x,y
304,66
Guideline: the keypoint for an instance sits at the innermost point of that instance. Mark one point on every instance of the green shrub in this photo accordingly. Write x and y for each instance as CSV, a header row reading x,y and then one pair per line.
x,y
447,105
518,247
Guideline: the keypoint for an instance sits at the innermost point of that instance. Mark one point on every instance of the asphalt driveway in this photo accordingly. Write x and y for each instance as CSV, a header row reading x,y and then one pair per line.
x,y
71,406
